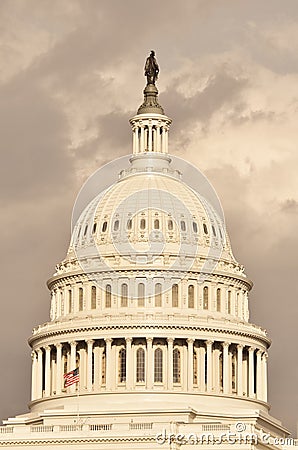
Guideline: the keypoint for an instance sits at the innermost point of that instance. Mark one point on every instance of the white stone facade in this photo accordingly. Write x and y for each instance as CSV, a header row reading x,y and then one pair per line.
x,y
158,346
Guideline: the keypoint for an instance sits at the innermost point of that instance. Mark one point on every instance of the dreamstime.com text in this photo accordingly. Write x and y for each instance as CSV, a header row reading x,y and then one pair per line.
x,y
228,437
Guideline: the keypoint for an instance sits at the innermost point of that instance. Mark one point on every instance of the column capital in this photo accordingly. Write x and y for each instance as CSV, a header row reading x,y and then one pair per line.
x,y
90,342
190,341
108,340
226,344
47,348
259,352
240,346
59,345
149,340
265,355
209,342
251,349
39,351
170,340
33,355
72,343
128,340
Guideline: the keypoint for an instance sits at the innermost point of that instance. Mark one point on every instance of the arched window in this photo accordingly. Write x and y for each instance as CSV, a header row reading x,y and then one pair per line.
x,y
93,297
195,227
213,230
191,296
86,229
205,228
205,298
70,301
234,375
94,227
229,302
158,369
141,294
103,368
170,225
104,226
122,365
175,295
158,295
140,375
143,224
183,225
81,299
156,224
124,295
237,304
129,224
108,295
116,225
218,300
176,366
195,368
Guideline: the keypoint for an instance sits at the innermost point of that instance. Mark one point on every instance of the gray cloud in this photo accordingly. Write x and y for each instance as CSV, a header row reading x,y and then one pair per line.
x,y
72,75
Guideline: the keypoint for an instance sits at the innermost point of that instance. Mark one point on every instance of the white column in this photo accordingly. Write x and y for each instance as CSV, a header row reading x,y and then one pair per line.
x,y
166,141
129,365
142,139
134,141
158,139
190,364
150,138
89,364
163,140
149,376
73,349
59,369
259,374
240,370
209,366
33,375
251,372
202,369
96,352
48,371
109,364
265,380
226,372
170,363
216,375
39,373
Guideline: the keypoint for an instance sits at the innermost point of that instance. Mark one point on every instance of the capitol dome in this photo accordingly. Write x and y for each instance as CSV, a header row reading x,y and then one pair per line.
x,y
149,298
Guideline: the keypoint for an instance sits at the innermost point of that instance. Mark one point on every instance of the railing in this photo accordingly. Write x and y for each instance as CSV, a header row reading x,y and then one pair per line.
x,y
41,428
215,427
4,430
100,426
140,426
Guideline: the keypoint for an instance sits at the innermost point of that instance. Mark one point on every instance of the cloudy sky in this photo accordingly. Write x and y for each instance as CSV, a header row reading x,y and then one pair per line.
x,y
71,75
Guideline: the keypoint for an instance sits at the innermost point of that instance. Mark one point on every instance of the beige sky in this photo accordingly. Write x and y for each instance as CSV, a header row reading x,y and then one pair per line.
x,y
71,75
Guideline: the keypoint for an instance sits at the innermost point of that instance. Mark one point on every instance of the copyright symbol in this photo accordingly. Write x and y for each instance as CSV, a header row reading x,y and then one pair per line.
x,y
240,426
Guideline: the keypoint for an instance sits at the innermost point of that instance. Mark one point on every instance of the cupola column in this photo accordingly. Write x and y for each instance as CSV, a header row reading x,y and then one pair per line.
x,y
73,351
226,374
170,363
190,364
58,368
97,367
209,366
89,364
48,371
259,375
108,363
251,375
39,373
202,368
240,369
264,377
33,375
129,364
149,363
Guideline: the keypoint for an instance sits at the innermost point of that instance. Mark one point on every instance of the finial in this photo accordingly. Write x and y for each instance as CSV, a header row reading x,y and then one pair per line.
x,y
151,68
150,104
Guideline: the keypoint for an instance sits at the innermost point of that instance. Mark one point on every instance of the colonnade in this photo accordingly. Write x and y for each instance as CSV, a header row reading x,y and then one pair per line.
x,y
188,365
150,135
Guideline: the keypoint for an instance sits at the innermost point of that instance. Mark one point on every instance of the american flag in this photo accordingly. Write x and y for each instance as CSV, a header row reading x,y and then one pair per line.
x,y
71,377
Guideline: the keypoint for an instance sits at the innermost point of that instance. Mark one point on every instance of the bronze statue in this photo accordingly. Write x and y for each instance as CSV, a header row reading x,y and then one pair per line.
x,y
151,68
